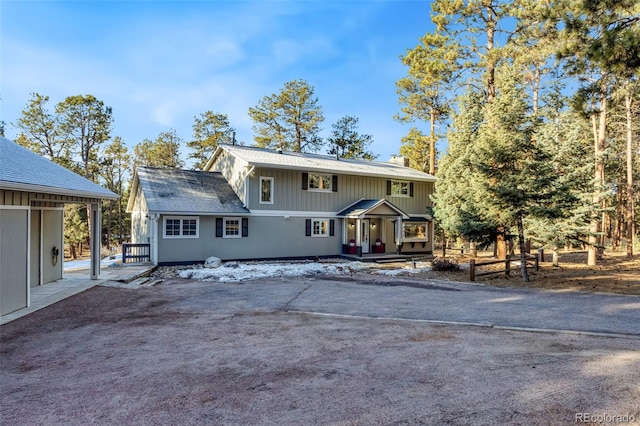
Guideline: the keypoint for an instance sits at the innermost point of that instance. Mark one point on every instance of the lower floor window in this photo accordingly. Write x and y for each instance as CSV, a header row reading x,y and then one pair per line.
x,y
414,230
180,227
320,228
232,228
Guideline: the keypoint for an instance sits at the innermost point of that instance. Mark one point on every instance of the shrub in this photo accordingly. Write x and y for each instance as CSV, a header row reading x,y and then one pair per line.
x,y
444,264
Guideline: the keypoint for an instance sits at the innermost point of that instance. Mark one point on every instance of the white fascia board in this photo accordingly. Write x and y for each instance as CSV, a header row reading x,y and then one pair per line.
x,y
133,193
25,187
344,172
297,213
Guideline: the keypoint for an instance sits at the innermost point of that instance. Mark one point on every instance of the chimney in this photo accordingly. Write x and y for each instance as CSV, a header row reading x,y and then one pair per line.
x,y
399,160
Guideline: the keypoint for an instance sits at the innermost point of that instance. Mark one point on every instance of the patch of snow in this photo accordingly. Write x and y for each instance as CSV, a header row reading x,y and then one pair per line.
x,y
112,260
235,271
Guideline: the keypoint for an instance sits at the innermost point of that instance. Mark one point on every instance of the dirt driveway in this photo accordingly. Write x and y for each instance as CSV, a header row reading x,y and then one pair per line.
x,y
211,353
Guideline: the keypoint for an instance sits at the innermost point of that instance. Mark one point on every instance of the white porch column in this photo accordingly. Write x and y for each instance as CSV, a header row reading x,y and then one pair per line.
x,y
153,248
358,232
398,233
96,238
344,231
432,234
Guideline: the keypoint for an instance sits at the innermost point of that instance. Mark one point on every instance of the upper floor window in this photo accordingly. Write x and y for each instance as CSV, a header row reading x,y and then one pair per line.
x,y
399,188
266,190
319,182
180,227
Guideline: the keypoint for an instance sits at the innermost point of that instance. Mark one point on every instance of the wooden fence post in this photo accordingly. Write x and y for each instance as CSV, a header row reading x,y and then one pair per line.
x,y
537,262
472,270
541,254
507,266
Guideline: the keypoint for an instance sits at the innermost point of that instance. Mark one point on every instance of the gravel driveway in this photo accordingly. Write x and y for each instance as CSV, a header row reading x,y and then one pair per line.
x,y
322,351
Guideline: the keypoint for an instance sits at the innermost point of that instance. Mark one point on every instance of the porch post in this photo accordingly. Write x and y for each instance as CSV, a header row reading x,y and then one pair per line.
x,y
358,232
95,239
432,235
344,231
399,234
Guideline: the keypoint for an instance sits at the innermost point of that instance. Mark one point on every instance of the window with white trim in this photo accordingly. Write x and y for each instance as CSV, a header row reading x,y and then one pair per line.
x,y
180,227
414,231
400,188
266,190
231,227
318,182
319,227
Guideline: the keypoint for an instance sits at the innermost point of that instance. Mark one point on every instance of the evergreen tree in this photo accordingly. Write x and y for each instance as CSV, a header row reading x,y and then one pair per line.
x,y
85,124
517,173
346,142
289,120
422,93
460,192
115,172
209,130
76,228
416,147
163,152
40,133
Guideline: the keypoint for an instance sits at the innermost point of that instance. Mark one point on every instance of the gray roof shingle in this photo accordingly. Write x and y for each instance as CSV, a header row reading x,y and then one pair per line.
x,y
269,158
23,170
188,192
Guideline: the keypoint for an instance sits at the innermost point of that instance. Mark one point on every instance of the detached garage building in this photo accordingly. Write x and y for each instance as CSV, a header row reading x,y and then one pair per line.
x,y
33,192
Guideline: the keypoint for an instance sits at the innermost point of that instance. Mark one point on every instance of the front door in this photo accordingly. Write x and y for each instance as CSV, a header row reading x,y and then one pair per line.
x,y
364,236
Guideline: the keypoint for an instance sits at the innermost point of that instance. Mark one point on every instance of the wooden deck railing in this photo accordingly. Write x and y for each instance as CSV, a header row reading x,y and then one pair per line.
x,y
136,253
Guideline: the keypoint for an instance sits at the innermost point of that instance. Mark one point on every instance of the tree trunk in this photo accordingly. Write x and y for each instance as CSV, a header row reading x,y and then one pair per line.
x,y
600,134
501,246
630,198
432,142
523,252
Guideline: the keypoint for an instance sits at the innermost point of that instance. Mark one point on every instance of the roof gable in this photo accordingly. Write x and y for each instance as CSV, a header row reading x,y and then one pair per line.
x,y
23,170
269,158
364,207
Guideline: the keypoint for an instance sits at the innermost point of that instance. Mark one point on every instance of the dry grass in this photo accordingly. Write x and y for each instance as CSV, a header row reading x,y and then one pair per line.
x,y
615,273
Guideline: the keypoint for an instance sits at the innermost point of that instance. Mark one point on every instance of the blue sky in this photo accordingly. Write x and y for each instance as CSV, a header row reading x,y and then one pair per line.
x,y
160,63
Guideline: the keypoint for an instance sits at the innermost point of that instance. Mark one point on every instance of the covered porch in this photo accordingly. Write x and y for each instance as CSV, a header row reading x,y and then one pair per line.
x,y
371,227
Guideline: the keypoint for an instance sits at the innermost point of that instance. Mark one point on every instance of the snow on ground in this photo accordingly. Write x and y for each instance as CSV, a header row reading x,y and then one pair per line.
x,y
244,271
237,271
74,265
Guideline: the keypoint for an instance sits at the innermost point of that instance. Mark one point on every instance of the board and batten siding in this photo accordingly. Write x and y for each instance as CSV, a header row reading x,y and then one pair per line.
x,y
14,252
288,194
234,170
268,237
140,232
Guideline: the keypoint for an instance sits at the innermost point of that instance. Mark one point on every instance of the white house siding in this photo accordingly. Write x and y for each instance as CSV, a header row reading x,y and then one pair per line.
x,y
289,195
234,171
269,237
140,230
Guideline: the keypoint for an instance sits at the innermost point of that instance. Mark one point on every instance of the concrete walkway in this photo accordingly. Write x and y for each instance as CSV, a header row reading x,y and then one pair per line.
x,y
73,283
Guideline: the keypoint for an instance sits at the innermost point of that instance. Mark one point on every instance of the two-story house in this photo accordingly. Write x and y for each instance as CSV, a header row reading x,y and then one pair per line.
x,y
254,203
